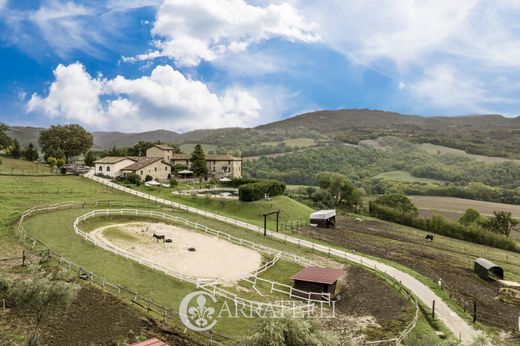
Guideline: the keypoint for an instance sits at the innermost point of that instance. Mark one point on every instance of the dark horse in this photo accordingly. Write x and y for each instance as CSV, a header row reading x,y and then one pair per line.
x,y
429,237
159,237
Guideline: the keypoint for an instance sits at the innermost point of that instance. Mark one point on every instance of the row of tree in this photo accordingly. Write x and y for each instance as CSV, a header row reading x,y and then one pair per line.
x,y
60,142
492,231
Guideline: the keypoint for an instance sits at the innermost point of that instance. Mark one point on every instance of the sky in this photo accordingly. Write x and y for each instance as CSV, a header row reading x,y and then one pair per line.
x,y
135,65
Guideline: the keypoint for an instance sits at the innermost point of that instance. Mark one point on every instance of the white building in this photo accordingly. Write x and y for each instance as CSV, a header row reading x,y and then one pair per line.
x,y
111,166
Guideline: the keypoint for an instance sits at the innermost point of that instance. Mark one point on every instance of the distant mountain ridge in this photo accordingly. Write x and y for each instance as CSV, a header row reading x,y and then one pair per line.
x,y
471,133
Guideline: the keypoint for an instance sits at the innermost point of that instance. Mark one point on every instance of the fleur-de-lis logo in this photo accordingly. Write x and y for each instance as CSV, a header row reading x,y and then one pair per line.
x,y
198,316
201,314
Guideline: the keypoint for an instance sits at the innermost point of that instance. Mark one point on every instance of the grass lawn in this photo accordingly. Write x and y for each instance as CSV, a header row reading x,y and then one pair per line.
x,y
405,177
251,212
441,150
14,166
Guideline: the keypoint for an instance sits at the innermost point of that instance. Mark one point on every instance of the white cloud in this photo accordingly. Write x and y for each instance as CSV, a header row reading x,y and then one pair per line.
x,y
165,99
193,30
446,88
74,94
458,48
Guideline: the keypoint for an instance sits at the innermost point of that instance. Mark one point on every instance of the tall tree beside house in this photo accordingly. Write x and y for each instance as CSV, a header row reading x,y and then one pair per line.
x,y
71,140
90,158
30,153
5,140
199,167
16,150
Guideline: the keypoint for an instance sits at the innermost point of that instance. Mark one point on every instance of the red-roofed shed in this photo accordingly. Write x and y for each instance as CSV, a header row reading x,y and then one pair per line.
x,y
316,279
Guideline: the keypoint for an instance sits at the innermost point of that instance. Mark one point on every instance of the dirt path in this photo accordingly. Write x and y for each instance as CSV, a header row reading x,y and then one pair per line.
x,y
454,322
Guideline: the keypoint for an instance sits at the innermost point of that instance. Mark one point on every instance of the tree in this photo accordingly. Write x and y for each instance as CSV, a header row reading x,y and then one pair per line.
x,y
90,158
52,161
15,151
288,332
343,193
42,296
72,140
398,201
470,216
60,162
501,223
199,167
5,140
30,153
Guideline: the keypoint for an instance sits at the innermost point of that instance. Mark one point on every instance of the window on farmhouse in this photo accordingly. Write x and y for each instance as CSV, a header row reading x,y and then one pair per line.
x,y
141,172
100,168
156,169
108,168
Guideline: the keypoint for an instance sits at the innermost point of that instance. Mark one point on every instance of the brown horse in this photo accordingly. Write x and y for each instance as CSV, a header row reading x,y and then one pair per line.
x,y
159,237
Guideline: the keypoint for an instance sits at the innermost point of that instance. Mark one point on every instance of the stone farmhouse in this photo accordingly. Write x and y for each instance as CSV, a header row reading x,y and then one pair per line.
x,y
159,161
219,166
120,166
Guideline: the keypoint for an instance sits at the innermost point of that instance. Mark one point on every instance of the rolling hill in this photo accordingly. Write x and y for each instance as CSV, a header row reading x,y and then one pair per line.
x,y
489,135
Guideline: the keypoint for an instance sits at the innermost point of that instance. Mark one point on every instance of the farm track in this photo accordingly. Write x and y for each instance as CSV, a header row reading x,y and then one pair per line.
x,y
432,261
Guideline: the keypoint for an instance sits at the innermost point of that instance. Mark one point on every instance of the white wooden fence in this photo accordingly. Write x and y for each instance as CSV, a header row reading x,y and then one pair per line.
x,y
282,237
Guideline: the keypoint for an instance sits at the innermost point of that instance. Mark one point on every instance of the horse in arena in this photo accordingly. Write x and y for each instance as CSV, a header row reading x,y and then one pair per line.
x,y
159,237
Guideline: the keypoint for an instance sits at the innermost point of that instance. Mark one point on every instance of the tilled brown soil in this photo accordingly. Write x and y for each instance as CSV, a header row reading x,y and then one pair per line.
x,y
94,318
382,240
364,297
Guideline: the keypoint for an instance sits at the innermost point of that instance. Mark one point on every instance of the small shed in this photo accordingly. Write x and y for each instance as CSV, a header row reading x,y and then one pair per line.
x,y
317,279
487,270
324,218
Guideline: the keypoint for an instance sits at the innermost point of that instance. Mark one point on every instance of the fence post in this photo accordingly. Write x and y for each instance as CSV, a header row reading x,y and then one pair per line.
x,y
433,310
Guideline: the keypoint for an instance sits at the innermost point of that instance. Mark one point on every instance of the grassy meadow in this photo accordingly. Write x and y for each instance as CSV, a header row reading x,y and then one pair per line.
x,y
404,177
251,212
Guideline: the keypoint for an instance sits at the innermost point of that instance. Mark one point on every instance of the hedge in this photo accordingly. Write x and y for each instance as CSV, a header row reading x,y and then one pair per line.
x,y
256,191
440,225
237,182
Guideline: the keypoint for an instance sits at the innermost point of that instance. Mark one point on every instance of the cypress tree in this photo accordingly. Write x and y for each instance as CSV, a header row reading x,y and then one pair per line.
x,y
199,167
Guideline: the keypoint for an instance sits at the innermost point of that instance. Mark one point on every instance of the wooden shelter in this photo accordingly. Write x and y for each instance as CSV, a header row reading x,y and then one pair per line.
x,y
317,279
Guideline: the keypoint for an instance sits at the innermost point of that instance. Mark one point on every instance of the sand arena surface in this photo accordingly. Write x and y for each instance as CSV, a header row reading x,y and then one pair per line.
x,y
213,258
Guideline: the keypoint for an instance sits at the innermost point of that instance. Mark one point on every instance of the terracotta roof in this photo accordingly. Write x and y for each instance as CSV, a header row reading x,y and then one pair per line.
x,y
114,159
319,275
141,163
183,156
151,342
162,146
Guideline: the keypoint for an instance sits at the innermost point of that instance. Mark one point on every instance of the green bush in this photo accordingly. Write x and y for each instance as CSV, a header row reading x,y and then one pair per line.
x,y
133,178
258,190
237,182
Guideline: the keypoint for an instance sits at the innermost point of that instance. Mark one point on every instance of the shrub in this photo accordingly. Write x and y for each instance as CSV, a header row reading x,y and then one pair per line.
x,y
148,178
173,182
237,182
133,178
255,191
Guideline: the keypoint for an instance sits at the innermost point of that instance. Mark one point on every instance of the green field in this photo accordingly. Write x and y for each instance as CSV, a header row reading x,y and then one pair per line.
x,y
404,177
290,210
441,150
293,142
12,166
187,148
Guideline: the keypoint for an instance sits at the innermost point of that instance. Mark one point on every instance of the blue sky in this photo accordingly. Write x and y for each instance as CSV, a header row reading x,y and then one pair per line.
x,y
134,65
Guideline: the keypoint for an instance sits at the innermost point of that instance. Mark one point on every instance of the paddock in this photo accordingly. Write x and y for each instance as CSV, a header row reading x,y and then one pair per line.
x,y
189,253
